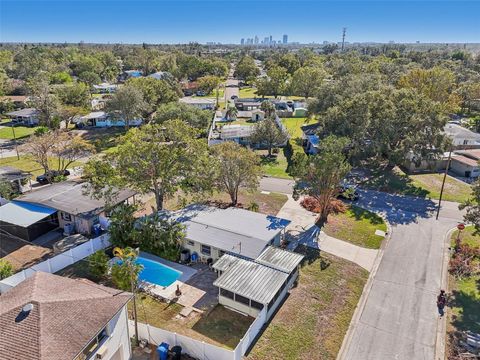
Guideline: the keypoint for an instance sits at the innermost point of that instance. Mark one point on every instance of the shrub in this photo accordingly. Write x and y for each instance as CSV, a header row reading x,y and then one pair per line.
x,y
311,204
465,261
6,269
98,264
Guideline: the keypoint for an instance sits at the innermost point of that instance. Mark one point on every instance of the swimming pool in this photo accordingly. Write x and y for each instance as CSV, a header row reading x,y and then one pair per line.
x,y
157,273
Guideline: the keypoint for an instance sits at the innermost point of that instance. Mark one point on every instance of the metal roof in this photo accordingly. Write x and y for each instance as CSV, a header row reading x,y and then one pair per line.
x,y
24,214
252,280
68,196
10,173
225,262
196,100
235,131
280,259
27,112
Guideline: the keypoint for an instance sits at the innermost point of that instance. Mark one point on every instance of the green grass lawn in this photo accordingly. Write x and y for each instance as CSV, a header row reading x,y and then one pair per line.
x,y
356,226
26,163
20,132
423,185
463,311
275,166
312,322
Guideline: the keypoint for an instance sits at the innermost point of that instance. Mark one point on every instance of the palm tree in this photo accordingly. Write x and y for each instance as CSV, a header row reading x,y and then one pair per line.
x,y
128,256
231,113
268,108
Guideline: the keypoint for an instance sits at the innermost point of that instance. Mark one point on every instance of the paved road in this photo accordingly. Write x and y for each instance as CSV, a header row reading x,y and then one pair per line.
x,y
231,88
399,317
276,185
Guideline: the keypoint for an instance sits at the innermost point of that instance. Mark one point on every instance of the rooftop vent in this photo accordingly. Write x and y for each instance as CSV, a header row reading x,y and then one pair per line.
x,y
26,309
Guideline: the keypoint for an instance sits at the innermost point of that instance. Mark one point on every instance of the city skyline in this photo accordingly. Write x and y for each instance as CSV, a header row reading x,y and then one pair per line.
x,y
187,21
268,40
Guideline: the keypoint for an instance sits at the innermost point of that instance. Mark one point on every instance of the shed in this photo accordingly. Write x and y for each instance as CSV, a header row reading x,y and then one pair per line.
x,y
299,112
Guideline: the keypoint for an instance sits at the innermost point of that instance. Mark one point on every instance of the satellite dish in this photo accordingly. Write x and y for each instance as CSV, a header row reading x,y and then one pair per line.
x,y
28,307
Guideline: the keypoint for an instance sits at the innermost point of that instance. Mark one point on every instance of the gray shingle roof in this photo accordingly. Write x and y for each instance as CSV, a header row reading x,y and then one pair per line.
x,y
280,259
10,173
27,112
68,196
252,280
66,315
458,132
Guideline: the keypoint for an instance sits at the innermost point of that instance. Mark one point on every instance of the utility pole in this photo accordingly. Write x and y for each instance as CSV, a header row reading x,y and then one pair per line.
x,y
15,141
344,31
444,178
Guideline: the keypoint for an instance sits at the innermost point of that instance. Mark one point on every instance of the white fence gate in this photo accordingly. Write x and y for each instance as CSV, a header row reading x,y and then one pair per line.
x,y
58,262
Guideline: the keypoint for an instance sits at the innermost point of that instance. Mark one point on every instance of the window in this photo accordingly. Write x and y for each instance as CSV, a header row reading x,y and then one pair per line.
x,y
242,299
465,142
66,217
206,250
256,305
226,293
190,243
93,345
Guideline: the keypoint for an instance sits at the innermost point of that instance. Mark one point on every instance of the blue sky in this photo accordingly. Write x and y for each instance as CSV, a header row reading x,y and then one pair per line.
x,y
129,21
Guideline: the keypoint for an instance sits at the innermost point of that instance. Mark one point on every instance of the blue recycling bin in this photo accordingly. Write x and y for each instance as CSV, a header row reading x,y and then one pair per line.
x,y
162,351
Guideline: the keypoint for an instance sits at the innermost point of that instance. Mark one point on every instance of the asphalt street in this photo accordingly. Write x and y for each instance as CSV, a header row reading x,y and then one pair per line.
x,y
399,318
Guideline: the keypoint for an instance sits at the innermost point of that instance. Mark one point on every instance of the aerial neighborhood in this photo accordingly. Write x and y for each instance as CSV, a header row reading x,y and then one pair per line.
x,y
261,200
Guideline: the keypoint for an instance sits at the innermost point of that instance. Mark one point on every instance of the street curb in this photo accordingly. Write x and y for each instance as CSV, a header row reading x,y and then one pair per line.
x,y
366,291
440,342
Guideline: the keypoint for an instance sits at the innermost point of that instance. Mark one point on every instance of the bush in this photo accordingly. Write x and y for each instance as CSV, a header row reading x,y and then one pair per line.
x,y
98,264
311,204
465,261
6,269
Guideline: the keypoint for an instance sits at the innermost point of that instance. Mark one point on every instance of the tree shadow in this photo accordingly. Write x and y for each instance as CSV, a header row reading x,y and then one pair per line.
x,y
362,214
468,316
311,255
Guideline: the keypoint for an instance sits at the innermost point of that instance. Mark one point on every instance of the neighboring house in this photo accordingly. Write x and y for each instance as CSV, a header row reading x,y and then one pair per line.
x,y
161,75
201,103
102,119
212,232
61,205
465,163
461,137
246,104
248,286
50,317
129,74
18,178
18,101
105,88
28,116
310,139
98,103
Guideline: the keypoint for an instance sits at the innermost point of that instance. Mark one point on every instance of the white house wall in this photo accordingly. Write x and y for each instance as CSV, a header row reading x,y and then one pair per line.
x,y
119,338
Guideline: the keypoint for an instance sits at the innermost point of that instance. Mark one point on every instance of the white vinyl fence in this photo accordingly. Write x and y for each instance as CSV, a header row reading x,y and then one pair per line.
x,y
58,262
196,348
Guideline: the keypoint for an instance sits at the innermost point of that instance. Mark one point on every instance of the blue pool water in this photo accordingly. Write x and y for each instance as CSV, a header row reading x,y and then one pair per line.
x,y
157,273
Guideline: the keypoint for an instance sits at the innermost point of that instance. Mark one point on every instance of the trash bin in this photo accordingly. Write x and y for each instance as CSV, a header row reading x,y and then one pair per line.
x,y
176,352
162,351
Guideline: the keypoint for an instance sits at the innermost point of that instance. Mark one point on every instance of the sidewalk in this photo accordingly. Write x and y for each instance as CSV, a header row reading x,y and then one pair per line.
x,y
303,231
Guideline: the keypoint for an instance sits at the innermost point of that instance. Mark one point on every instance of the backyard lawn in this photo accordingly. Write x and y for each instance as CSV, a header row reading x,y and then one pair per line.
x,y
312,322
357,226
26,163
423,185
463,311
248,92
221,327
20,132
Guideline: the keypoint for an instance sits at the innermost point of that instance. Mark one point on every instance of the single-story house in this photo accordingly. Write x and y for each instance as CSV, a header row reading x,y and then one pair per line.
x,y
247,104
102,119
129,74
161,75
238,133
105,88
254,115
248,286
27,116
50,317
15,176
465,163
60,205
18,101
461,137
201,103
212,232
310,139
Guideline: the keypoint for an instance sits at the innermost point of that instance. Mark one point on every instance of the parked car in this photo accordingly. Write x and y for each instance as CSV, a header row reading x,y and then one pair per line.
x,y
201,93
349,192
187,92
52,174
233,97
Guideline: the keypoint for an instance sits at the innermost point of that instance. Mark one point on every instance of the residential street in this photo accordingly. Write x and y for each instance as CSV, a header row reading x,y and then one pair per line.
x,y
231,88
399,318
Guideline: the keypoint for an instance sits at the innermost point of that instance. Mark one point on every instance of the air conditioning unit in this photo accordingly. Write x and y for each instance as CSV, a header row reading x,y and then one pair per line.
x,y
102,352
